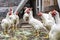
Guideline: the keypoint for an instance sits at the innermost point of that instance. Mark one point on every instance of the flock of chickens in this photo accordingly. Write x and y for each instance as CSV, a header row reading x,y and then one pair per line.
x,y
49,21
10,22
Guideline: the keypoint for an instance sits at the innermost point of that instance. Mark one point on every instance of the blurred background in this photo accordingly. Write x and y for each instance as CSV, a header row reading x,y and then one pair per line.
x,y
37,5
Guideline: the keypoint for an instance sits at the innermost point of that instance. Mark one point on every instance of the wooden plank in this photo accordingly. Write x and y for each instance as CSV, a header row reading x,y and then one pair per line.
x,y
21,5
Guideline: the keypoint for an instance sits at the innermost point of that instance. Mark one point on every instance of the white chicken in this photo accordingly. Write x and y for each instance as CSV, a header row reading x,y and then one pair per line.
x,y
25,17
6,23
14,17
34,22
47,20
55,15
55,30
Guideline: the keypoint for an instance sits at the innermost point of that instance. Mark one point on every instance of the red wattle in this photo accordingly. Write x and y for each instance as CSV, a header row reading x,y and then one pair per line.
x,y
10,13
53,13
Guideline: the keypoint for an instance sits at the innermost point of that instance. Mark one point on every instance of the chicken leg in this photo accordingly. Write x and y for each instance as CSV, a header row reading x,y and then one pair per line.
x,y
5,31
37,33
13,28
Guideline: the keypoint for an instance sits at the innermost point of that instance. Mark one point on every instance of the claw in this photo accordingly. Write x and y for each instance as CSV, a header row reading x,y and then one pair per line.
x,y
16,28
5,32
37,33
46,36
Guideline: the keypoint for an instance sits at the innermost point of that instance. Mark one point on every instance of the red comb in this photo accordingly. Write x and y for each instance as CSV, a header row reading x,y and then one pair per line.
x,y
39,14
54,11
10,9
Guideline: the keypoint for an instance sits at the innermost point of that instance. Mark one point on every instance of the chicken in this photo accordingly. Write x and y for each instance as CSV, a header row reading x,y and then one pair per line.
x,y
6,23
54,33
47,20
14,17
34,22
55,15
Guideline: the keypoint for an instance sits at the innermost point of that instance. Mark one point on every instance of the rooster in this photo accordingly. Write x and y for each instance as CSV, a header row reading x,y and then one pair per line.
x,y
6,23
54,33
47,20
34,22
14,17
